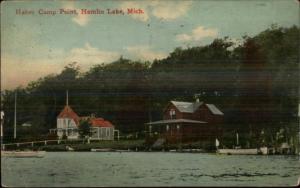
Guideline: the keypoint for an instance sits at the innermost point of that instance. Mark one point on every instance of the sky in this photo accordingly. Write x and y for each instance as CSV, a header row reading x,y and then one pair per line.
x,y
36,45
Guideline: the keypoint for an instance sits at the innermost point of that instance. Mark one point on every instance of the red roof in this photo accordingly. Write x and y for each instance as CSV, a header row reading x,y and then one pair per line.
x,y
68,112
100,122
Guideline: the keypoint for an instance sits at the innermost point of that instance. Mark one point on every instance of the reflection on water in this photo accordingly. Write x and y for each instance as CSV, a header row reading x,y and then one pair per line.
x,y
149,169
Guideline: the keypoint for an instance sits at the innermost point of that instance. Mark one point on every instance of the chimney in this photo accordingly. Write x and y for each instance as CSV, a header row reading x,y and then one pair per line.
x,y
196,96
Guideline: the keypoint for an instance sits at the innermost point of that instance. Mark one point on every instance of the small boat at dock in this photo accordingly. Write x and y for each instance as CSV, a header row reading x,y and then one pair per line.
x,y
188,151
102,150
110,150
23,154
68,148
123,150
18,154
238,151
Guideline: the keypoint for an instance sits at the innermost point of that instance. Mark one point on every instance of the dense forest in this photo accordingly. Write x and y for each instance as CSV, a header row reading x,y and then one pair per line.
x,y
255,84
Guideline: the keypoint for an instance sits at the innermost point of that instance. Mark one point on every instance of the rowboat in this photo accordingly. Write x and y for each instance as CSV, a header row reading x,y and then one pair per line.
x,y
102,150
188,151
123,150
238,151
23,154
68,148
18,154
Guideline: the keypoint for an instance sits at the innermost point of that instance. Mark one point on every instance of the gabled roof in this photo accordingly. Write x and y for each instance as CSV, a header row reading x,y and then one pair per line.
x,y
186,107
214,109
176,121
100,122
68,112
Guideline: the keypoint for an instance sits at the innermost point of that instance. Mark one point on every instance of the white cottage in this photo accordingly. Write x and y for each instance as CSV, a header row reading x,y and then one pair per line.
x,y
67,123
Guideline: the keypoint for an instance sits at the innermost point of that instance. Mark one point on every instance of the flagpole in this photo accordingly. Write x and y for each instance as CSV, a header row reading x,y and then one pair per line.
x,y
15,117
67,100
2,121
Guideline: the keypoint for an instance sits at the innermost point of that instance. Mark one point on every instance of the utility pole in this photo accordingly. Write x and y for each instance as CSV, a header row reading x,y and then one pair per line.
x,y
2,121
15,117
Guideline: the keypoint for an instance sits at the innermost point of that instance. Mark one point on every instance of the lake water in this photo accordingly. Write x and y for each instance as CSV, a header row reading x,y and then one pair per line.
x,y
149,169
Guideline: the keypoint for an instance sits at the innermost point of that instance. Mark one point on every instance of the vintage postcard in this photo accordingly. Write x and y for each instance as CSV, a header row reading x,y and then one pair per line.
x,y
141,93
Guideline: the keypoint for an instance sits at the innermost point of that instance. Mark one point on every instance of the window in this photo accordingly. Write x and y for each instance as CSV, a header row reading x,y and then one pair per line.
x,y
172,114
69,123
60,124
66,123
107,132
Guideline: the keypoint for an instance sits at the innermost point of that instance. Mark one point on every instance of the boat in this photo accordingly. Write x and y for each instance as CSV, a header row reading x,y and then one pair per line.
x,y
68,148
101,150
18,154
237,150
23,154
266,151
192,151
123,150
188,151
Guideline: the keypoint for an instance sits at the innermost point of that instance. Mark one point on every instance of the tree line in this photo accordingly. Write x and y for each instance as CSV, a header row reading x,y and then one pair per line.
x,y
255,83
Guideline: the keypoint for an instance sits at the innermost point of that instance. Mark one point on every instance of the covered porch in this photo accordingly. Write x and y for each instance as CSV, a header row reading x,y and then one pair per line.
x,y
102,133
71,133
178,130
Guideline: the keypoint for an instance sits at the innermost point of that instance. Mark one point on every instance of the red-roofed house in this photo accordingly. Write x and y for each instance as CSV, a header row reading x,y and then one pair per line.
x,y
101,129
68,124
188,121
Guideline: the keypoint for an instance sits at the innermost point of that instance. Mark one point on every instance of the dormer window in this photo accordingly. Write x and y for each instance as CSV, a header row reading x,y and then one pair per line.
x,y
172,114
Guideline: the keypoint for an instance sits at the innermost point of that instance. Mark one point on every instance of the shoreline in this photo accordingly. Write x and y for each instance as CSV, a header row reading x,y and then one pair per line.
x,y
124,146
